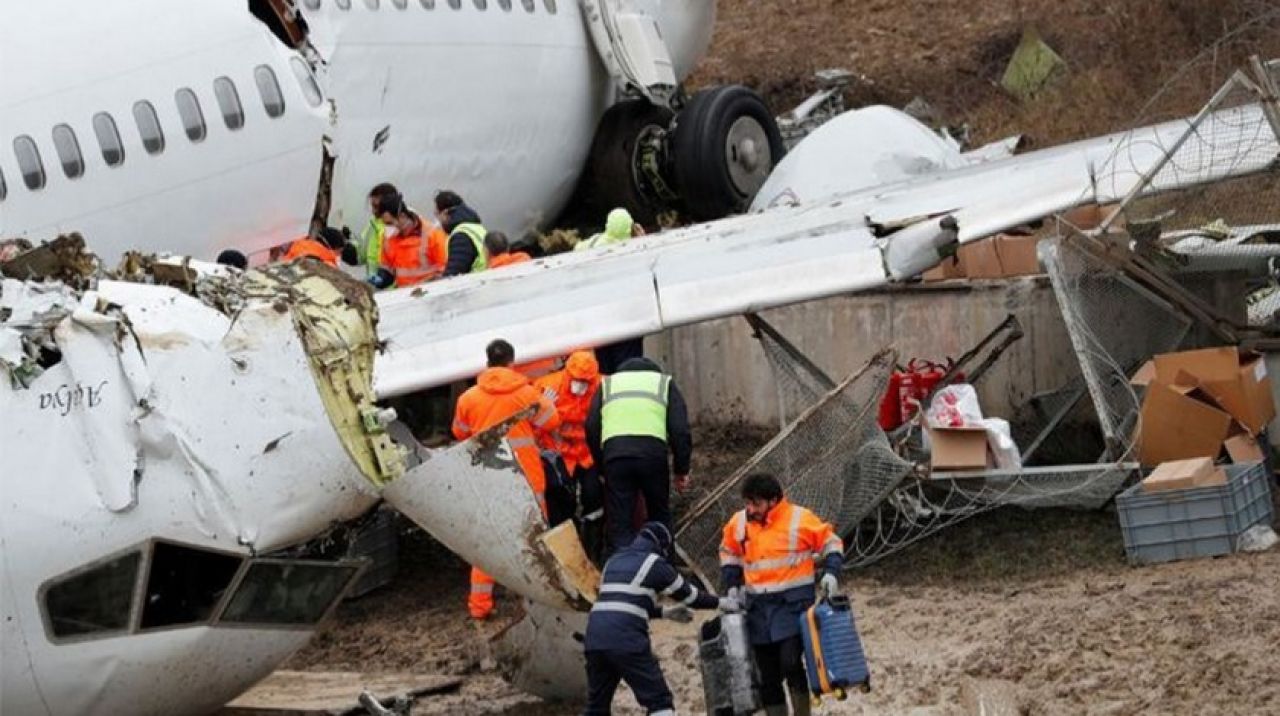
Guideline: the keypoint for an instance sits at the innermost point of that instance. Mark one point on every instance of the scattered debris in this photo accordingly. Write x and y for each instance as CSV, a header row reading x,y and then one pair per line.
x,y
64,259
1258,538
306,693
1033,67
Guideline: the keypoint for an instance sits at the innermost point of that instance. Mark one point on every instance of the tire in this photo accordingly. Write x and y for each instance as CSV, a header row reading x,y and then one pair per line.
x,y
609,180
724,145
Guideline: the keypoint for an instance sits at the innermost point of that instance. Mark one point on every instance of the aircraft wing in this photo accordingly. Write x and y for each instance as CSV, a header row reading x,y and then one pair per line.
x,y
436,333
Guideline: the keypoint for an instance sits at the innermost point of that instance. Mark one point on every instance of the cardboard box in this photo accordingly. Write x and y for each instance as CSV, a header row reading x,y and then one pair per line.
x,y
1177,426
1145,375
980,259
1018,255
950,268
1238,382
958,448
1090,216
1243,448
1184,474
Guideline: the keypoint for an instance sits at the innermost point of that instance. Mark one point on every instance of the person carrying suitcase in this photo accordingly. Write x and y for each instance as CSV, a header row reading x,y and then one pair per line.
x,y
784,558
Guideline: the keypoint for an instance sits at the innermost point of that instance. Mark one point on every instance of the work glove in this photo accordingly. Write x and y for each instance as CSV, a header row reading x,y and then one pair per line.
x,y
678,613
729,605
828,587
382,279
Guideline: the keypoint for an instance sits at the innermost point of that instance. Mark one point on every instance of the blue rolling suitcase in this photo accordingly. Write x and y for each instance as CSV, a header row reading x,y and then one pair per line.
x,y
833,656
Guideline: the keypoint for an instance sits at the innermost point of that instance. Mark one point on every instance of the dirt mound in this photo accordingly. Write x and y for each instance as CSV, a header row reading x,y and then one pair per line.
x,y
953,54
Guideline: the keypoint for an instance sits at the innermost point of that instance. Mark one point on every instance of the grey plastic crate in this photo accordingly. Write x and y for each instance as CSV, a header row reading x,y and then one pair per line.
x,y
1198,522
378,540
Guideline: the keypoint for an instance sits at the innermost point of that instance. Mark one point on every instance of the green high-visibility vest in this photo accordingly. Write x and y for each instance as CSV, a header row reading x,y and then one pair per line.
x,y
634,403
476,233
371,245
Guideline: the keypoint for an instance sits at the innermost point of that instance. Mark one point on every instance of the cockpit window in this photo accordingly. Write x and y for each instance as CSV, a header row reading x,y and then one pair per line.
x,y
104,127
148,127
224,90
307,81
185,584
269,90
189,111
288,592
68,149
28,155
96,600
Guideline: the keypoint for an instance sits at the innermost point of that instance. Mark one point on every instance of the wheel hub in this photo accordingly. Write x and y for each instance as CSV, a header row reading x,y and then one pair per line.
x,y
748,156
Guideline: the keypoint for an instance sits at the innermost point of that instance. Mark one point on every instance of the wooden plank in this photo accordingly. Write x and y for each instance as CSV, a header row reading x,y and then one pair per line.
x,y
316,693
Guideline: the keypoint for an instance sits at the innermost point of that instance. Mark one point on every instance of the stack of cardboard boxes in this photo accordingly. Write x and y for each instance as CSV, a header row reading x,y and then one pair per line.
x,y
1201,404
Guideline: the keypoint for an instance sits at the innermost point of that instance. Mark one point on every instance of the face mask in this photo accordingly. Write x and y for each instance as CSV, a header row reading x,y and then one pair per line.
x,y
578,387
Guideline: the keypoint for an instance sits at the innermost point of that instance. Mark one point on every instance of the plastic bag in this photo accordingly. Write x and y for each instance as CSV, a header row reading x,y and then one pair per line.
x,y
1000,440
955,406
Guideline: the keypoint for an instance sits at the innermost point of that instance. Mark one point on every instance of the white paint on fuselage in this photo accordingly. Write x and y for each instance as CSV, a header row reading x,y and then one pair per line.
x,y
499,105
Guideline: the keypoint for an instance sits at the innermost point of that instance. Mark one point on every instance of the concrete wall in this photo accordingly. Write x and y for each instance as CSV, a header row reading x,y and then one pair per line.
x,y
723,373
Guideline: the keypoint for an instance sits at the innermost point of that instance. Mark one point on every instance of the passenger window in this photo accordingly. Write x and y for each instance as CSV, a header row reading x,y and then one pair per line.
x,y
528,5
4,189
343,4
189,111
148,127
400,4
455,4
288,592
104,127
269,90
371,4
24,148
185,584
95,601
68,149
312,4
551,6
306,80
224,90
505,5
428,4
482,4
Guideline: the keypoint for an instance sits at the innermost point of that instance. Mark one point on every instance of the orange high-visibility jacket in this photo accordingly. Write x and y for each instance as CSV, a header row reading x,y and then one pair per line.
x,y
571,439
511,257
498,394
310,247
413,258
781,553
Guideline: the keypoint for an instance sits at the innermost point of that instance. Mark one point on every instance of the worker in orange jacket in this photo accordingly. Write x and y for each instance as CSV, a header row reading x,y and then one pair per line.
x,y
781,557
327,249
571,390
411,248
498,394
498,248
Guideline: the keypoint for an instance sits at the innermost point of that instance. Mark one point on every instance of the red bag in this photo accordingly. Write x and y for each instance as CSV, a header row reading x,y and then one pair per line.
x,y
908,387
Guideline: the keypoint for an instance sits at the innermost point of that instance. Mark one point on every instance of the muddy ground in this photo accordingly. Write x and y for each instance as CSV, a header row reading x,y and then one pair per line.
x,y
1042,604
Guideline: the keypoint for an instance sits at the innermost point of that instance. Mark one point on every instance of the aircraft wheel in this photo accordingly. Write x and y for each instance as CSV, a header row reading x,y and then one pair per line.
x,y
612,176
724,145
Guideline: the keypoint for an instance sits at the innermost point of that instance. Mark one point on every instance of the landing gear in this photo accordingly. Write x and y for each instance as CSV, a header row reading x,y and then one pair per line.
x,y
724,145
706,162
614,176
